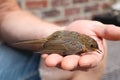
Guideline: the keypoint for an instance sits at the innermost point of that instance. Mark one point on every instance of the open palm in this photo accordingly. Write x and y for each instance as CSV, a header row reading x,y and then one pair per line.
x,y
89,60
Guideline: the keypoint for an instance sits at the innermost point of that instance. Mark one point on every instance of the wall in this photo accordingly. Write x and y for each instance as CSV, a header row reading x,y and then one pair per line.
x,y
65,11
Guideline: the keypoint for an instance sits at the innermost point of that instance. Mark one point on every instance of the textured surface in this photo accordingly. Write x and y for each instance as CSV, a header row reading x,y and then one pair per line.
x,y
68,42
64,11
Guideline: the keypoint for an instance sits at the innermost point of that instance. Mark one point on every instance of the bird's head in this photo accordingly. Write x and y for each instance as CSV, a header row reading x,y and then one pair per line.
x,y
89,44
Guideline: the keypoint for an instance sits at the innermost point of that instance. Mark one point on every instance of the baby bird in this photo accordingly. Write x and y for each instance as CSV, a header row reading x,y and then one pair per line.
x,y
65,43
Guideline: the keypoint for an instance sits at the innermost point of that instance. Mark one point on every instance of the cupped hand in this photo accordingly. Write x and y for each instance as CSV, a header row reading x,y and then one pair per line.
x,y
88,60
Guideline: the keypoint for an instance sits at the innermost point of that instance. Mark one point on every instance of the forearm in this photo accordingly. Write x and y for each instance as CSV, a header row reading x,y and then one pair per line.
x,y
6,6
17,25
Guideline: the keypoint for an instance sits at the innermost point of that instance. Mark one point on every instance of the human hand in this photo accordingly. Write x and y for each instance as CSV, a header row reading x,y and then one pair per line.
x,y
89,60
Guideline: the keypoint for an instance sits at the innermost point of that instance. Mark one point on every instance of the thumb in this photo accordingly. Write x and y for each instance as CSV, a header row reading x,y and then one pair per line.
x,y
109,32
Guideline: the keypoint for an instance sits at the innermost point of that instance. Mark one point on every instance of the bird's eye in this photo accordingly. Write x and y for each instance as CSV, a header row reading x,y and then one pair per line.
x,y
91,45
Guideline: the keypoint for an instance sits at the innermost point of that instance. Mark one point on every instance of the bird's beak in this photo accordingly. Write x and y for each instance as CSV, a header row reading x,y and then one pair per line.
x,y
98,50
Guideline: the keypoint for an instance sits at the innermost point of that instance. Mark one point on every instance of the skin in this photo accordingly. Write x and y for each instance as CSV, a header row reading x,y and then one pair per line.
x,y
89,60
92,62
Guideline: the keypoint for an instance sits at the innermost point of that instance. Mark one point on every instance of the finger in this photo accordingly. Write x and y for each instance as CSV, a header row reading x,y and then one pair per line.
x,y
53,59
90,59
70,62
110,32
44,56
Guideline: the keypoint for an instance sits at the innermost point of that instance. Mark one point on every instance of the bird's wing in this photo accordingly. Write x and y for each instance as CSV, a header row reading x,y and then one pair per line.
x,y
36,41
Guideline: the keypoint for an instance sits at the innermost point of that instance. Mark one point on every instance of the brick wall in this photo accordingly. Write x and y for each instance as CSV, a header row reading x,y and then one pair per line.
x,y
65,11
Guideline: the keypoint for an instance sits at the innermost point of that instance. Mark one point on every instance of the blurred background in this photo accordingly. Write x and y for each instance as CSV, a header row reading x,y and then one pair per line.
x,y
63,12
